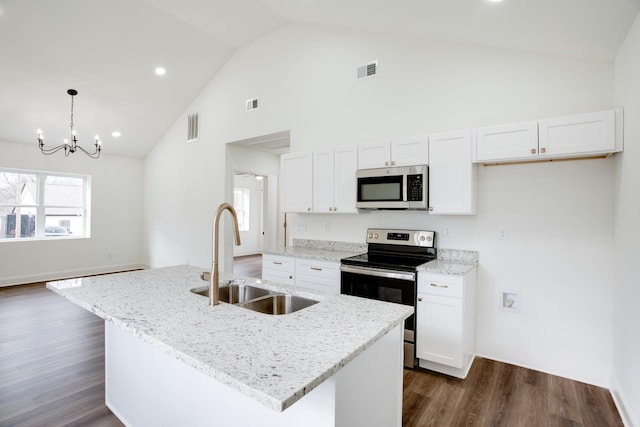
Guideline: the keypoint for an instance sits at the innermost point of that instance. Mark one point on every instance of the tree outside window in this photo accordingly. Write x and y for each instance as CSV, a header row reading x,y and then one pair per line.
x,y
42,205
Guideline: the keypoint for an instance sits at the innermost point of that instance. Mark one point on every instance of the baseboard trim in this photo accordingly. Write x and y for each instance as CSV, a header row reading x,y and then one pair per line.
x,y
67,274
624,409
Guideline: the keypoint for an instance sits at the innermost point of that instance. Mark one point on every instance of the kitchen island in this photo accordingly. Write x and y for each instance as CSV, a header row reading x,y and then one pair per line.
x,y
171,359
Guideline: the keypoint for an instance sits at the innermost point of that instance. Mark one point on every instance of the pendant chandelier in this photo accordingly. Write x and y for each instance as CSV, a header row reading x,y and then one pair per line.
x,y
72,145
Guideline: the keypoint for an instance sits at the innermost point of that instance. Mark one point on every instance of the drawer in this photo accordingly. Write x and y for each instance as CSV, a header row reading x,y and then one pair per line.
x,y
441,285
279,263
318,269
278,276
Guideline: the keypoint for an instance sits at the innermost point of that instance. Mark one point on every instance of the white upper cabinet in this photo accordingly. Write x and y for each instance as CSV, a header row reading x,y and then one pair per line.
x,y
374,155
580,135
410,151
399,152
506,142
296,182
345,162
334,180
323,180
584,134
452,175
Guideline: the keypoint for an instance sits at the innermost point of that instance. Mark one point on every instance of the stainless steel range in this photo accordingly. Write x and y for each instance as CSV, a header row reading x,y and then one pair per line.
x,y
388,272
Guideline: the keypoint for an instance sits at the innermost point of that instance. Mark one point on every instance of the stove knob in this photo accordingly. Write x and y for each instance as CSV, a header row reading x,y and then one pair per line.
x,y
422,238
375,236
370,235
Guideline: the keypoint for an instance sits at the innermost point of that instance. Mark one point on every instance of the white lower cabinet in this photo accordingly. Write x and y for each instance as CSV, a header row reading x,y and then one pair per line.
x,y
319,275
279,269
306,273
445,322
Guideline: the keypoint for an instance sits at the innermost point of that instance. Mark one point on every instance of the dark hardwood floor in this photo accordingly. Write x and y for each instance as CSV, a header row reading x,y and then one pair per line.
x,y
52,374
249,265
498,394
51,361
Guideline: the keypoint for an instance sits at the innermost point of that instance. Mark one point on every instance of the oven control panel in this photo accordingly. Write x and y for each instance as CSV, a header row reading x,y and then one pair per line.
x,y
402,237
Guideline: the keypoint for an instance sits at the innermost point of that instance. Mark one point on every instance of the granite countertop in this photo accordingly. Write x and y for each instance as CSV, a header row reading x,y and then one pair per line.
x,y
329,255
321,250
450,261
454,268
272,359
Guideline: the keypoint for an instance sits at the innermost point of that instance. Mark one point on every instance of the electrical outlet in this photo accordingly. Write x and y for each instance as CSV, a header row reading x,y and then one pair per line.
x,y
447,231
326,227
503,233
510,301
302,226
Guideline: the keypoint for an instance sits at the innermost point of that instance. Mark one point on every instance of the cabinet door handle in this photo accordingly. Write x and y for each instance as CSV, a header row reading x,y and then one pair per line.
x,y
316,268
393,163
533,151
290,277
386,163
430,208
308,209
277,262
435,285
543,150
419,299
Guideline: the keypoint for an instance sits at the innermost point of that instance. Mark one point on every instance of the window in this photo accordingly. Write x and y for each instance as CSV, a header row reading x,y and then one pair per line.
x,y
43,205
241,197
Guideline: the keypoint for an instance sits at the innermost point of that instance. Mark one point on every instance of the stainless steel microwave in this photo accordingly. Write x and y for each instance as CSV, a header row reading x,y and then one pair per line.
x,y
401,187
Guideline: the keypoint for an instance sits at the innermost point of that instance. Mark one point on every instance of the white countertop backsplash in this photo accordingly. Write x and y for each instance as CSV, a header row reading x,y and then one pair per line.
x,y
276,360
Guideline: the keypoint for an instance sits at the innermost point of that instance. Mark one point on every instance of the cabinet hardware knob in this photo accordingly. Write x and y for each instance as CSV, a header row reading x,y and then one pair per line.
x,y
335,209
308,209
316,268
386,163
277,262
419,299
430,208
435,285
533,151
290,277
543,150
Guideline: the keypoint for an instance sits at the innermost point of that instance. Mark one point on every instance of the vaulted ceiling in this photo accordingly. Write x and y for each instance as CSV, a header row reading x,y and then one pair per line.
x,y
108,50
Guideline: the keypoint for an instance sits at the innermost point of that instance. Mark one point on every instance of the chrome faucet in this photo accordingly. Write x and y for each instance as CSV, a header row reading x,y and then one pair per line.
x,y
214,287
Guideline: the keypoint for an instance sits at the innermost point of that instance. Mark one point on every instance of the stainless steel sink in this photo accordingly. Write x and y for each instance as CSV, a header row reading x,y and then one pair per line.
x,y
234,293
278,304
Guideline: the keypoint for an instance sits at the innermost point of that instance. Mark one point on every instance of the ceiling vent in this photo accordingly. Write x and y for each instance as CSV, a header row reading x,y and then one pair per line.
x,y
193,133
252,104
368,70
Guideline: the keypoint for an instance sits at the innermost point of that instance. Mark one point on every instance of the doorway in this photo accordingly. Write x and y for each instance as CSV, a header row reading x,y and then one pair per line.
x,y
247,161
249,202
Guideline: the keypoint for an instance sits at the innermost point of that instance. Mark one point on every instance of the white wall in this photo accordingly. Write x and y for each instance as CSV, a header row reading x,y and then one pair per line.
x,y
116,219
559,215
626,339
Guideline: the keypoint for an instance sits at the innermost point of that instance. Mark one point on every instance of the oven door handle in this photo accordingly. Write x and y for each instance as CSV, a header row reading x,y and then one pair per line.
x,y
377,272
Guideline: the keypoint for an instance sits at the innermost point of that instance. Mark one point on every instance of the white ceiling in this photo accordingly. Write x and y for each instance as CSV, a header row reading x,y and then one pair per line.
x,y
108,49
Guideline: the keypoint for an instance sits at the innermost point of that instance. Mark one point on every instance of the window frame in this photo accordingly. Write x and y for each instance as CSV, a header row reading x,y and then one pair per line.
x,y
41,208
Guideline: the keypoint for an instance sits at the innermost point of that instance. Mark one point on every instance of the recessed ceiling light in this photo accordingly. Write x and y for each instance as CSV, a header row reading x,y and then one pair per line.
x,y
116,134
160,71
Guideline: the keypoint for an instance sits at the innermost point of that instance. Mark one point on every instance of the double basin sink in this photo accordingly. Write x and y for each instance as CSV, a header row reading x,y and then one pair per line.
x,y
258,299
